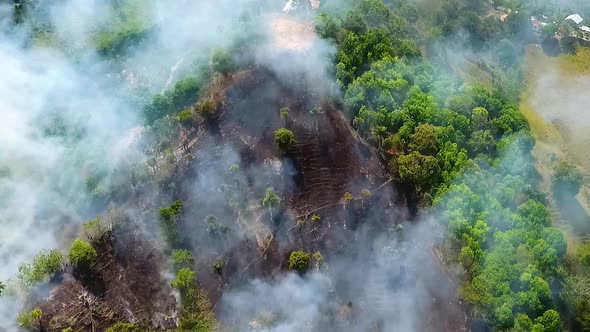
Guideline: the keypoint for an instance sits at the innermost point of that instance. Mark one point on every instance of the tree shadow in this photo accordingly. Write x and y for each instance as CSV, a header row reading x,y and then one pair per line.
x,y
572,212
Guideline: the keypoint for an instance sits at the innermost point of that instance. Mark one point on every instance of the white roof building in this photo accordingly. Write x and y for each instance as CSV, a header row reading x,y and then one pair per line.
x,y
585,28
576,18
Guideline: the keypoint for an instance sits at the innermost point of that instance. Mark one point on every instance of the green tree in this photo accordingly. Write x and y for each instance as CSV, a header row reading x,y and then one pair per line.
x,y
548,30
479,119
182,258
426,140
196,314
82,253
285,139
185,118
482,142
223,62
522,323
567,177
326,26
533,213
185,92
418,170
299,260
550,321
43,267
157,109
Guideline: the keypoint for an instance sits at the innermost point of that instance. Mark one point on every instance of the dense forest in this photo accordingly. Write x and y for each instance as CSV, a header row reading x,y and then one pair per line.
x,y
332,167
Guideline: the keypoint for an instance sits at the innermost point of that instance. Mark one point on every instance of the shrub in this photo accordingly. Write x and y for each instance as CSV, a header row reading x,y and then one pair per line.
x,y
316,218
185,279
285,139
348,197
93,229
30,320
567,177
318,258
43,267
82,253
208,109
223,62
366,193
185,93
176,207
284,113
185,118
182,259
271,199
157,109
124,327
299,260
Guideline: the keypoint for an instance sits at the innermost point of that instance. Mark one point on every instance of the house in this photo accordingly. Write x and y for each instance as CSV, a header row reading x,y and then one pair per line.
x,y
574,19
536,23
294,4
584,33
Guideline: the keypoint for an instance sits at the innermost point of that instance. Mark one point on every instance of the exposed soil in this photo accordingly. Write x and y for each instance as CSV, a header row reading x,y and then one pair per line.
x,y
125,285
328,160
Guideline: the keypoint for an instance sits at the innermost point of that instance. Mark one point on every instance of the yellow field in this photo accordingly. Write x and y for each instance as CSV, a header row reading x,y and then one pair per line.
x,y
552,84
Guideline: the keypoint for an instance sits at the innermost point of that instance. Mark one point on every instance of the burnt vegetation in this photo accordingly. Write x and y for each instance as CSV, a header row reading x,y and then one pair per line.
x,y
252,173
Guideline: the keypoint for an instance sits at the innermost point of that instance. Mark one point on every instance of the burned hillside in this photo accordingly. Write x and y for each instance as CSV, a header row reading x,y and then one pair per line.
x,y
213,166
123,284
328,160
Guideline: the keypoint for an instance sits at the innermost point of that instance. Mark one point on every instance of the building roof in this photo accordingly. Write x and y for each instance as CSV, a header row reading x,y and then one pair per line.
x,y
576,18
585,28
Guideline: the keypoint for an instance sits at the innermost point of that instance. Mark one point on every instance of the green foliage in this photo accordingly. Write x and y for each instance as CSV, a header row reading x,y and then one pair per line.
x,y
168,218
284,112
184,93
326,26
69,329
348,197
299,260
223,62
93,229
43,267
196,314
466,147
271,199
422,172
82,253
425,140
208,109
185,117
285,139
567,177
124,327
30,320
185,279
550,321
160,106
316,218
182,258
